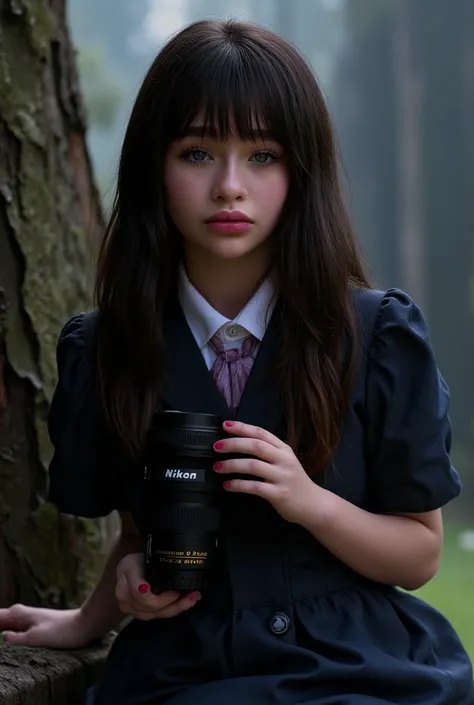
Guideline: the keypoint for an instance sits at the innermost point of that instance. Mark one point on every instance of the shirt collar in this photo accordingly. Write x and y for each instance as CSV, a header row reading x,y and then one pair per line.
x,y
205,321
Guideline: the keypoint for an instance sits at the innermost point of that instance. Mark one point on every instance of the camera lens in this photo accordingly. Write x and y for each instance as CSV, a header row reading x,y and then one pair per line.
x,y
183,500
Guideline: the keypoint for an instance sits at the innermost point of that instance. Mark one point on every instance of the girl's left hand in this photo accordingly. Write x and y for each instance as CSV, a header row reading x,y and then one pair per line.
x,y
285,484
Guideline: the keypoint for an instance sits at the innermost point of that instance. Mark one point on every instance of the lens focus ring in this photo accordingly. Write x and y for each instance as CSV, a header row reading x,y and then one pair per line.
x,y
184,439
188,518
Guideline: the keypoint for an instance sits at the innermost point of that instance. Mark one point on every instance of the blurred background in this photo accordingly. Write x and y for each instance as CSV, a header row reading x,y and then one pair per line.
x,y
399,79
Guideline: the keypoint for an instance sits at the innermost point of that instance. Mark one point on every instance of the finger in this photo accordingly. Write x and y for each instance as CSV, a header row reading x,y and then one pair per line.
x,y
143,615
171,610
20,638
131,607
16,617
138,602
259,489
248,466
185,603
154,603
140,589
151,601
147,601
245,429
122,592
249,446
126,601
133,566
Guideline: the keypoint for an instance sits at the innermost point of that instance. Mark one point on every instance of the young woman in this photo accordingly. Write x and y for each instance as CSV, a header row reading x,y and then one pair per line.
x,y
229,283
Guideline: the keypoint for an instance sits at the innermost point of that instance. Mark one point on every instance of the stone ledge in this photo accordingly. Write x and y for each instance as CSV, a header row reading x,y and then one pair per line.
x,y
33,676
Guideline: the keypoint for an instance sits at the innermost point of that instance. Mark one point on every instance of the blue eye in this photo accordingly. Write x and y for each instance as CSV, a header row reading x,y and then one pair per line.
x,y
195,156
265,158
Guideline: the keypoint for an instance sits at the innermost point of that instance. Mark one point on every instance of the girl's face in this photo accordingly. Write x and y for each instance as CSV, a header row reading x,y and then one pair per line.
x,y
225,197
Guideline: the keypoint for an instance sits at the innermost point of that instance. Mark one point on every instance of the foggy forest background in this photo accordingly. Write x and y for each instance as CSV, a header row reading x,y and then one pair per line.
x,y
399,79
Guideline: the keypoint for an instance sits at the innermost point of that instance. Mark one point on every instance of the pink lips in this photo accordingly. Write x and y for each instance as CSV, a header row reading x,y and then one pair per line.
x,y
230,222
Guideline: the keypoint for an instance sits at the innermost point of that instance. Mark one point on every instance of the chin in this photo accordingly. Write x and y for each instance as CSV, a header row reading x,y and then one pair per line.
x,y
229,253
227,249
230,248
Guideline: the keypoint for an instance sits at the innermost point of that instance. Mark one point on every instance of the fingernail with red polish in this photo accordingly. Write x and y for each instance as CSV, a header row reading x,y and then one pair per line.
x,y
218,466
219,445
226,485
143,588
228,423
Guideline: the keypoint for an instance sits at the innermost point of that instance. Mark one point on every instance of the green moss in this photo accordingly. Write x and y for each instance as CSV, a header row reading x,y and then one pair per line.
x,y
20,85
64,556
50,280
46,518
35,195
45,448
58,558
41,26
48,224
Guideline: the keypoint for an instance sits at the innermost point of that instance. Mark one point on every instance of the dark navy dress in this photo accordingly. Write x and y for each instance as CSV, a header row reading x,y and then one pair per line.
x,y
284,622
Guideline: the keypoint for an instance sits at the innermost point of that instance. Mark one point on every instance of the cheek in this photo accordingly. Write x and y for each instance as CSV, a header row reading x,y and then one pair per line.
x,y
273,194
183,190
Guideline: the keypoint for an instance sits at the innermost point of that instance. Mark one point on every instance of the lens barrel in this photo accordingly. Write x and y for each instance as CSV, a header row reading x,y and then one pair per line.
x,y
183,514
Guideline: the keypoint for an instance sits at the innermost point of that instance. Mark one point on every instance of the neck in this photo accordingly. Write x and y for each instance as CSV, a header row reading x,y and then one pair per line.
x,y
226,284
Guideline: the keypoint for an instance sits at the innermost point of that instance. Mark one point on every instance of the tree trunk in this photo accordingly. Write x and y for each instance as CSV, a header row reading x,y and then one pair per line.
x,y
49,216
409,157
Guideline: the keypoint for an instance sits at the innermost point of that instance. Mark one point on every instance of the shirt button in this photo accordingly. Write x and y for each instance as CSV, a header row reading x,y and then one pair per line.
x,y
279,623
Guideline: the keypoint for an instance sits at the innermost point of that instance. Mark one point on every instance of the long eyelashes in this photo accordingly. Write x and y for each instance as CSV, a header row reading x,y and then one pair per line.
x,y
268,153
186,154
190,151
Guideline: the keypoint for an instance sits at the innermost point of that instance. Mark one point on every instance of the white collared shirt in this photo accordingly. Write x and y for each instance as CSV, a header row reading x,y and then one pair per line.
x,y
204,321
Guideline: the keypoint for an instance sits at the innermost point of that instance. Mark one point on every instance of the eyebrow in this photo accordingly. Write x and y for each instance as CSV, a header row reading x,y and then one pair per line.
x,y
204,131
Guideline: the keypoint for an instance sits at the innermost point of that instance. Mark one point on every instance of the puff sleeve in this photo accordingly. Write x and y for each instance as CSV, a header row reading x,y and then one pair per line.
x,y
409,431
81,476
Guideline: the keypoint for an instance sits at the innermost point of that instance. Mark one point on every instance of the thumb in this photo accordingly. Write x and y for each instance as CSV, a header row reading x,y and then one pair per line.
x,y
134,572
15,638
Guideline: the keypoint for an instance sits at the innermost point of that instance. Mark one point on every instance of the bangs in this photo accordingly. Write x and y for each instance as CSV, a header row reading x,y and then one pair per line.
x,y
230,92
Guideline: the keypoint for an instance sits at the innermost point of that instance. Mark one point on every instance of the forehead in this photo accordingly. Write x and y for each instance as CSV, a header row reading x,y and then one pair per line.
x,y
234,95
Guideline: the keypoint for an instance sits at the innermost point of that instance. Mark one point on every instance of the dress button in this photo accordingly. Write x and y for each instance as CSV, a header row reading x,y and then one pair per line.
x,y
279,623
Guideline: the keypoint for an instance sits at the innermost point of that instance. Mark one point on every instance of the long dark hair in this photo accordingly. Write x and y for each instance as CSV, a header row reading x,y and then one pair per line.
x,y
233,73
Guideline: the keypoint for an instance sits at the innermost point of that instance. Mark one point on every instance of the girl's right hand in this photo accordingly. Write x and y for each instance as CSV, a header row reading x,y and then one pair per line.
x,y
134,595
36,626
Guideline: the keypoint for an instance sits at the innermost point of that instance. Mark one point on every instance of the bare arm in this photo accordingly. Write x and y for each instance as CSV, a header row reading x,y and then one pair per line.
x,y
117,595
100,612
397,550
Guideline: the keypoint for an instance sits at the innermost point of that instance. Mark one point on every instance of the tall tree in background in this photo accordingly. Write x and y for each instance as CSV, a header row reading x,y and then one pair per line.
x,y
48,211
405,113
408,140
444,50
365,110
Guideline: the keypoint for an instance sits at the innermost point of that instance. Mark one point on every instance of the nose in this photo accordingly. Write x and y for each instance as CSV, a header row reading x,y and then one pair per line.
x,y
229,184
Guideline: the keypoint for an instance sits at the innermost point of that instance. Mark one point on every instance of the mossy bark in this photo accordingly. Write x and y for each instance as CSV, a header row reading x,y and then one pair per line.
x,y
49,220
